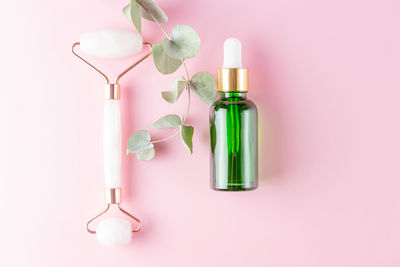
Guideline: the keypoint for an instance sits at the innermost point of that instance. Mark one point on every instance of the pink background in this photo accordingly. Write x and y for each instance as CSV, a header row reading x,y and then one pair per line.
x,y
325,76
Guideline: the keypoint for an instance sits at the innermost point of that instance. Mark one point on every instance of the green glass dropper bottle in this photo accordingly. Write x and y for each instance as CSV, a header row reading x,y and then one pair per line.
x,y
233,127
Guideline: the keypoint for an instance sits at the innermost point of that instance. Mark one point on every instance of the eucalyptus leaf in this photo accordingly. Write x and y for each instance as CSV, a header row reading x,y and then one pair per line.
x,y
147,154
136,16
133,14
204,85
173,94
139,141
127,12
145,14
167,122
164,63
151,11
187,135
185,43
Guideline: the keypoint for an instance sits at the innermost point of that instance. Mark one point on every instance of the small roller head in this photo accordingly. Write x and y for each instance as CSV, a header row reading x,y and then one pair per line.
x,y
111,43
114,232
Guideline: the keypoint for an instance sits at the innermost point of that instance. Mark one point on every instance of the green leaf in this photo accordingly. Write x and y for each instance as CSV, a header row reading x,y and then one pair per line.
x,y
187,135
172,95
151,11
139,141
132,13
185,43
147,154
167,122
136,16
127,12
164,63
204,85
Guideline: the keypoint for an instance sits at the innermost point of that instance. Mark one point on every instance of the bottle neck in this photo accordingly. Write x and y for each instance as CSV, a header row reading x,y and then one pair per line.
x,y
233,95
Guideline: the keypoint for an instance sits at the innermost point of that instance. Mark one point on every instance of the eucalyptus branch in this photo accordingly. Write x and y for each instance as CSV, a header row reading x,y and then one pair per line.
x,y
168,55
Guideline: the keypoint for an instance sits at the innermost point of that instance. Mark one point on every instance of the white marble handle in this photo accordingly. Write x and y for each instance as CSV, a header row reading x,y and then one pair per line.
x,y
112,143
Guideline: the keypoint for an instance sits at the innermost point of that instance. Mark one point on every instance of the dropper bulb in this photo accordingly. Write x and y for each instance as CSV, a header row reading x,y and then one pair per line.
x,y
232,53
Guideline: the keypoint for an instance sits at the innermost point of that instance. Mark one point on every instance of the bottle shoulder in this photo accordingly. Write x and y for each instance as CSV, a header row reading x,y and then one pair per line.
x,y
226,103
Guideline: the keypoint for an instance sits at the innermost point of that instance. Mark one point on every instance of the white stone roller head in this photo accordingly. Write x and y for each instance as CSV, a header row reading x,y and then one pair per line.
x,y
111,43
114,232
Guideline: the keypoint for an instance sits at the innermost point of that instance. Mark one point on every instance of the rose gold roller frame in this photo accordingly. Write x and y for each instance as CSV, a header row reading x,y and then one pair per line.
x,y
113,197
112,91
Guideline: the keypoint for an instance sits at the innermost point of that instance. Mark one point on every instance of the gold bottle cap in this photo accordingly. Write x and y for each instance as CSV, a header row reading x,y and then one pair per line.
x,y
232,79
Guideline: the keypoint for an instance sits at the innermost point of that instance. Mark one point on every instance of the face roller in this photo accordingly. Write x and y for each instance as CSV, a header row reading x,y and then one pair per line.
x,y
112,44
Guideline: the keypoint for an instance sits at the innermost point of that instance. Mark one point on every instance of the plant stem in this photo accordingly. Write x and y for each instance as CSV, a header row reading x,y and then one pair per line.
x,y
165,33
167,138
188,105
161,27
188,90
186,71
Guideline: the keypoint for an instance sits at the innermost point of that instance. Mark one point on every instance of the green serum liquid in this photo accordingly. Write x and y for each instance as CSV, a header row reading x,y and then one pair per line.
x,y
234,143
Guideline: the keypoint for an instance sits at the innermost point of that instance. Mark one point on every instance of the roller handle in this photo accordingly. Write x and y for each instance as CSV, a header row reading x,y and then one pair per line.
x,y
112,143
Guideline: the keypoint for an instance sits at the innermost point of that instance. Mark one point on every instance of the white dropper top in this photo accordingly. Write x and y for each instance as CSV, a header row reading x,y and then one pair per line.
x,y
232,53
